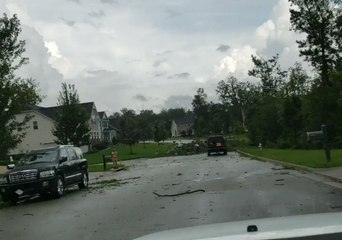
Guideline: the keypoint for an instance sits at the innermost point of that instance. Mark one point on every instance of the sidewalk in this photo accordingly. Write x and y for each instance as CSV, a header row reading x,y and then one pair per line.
x,y
334,173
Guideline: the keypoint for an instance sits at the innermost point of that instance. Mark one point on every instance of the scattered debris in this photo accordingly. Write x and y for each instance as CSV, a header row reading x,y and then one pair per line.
x,y
28,214
131,178
103,184
178,194
175,184
278,180
335,207
162,208
120,169
179,174
279,184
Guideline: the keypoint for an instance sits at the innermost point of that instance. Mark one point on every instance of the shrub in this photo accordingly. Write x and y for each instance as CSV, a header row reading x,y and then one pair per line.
x,y
100,145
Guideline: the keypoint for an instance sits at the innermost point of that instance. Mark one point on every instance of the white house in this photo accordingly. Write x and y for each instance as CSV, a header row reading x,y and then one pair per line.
x,y
182,127
39,128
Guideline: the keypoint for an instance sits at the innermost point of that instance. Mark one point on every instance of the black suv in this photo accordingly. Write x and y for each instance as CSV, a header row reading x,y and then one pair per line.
x,y
217,144
45,171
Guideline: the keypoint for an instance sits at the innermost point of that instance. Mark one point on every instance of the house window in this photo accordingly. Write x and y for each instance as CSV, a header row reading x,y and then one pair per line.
x,y
35,125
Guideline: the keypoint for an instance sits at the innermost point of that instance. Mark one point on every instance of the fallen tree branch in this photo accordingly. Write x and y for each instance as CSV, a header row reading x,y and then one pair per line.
x,y
178,194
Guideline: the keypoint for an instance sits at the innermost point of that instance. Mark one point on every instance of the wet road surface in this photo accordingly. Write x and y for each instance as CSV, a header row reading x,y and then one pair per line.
x,y
236,188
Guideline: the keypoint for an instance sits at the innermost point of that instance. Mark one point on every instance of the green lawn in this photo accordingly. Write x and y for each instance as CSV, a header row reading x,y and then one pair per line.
x,y
152,150
308,158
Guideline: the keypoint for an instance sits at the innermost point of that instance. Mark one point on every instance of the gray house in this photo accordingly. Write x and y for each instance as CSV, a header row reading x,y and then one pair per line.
x,y
108,127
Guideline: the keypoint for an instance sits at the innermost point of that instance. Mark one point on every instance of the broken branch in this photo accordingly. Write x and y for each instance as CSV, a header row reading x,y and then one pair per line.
x,y
178,194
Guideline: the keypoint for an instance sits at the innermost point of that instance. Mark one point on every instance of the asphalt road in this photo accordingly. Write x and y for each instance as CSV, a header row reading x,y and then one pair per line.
x,y
236,188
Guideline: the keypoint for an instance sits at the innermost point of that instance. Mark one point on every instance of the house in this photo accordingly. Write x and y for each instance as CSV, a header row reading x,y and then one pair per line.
x,y
39,128
108,127
182,127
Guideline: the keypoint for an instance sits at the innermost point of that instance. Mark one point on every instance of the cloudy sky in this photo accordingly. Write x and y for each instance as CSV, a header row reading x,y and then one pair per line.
x,y
148,54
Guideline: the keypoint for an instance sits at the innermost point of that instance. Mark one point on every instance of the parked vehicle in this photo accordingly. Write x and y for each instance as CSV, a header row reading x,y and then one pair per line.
x,y
217,144
45,171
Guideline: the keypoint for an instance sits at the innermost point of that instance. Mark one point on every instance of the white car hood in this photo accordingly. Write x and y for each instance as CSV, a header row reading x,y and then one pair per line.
x,y
268,228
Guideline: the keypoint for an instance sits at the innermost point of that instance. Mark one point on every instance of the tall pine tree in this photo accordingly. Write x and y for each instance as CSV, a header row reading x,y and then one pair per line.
x,y
71,125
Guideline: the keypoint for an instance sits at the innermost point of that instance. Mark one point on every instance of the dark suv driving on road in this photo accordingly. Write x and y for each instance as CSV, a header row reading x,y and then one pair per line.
x,y
217,144
45,171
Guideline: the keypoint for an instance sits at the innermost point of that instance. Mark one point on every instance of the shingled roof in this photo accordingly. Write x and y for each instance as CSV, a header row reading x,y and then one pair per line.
x,y
51,112
184,120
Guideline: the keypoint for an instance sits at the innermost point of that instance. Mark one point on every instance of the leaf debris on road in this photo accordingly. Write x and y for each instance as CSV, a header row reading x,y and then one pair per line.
x,y
178,194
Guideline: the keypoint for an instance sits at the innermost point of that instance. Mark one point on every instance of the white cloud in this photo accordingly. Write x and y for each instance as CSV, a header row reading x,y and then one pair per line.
x,y
53,49
271,37
237,62
130,48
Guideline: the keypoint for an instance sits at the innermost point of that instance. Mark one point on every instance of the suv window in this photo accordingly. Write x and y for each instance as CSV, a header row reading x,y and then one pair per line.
x,y
72,154
217,139
79,153
39,156
63,154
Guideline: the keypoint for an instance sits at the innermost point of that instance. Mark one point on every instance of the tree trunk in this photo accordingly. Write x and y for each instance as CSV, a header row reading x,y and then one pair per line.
x,y
130,148
243,118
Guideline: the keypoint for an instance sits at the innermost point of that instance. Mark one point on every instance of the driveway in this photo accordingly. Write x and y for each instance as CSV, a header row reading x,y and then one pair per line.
x,y
235,188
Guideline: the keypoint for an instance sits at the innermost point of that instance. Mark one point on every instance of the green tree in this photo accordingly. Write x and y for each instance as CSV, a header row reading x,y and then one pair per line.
x,y
299,82
264,116
200,110
145,124
320,21
159,131
71,125
269,72
236,97
15,92
292,118
129,132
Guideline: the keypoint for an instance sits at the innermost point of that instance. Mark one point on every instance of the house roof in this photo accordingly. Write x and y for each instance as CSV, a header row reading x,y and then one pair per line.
x,y
101,114
184,120
51,112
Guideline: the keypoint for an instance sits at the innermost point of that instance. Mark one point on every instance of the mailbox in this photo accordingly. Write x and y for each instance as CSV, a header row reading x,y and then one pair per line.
x,y
316,135
322,136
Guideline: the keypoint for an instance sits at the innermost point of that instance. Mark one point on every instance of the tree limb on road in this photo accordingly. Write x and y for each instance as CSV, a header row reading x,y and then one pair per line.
x,y
178,194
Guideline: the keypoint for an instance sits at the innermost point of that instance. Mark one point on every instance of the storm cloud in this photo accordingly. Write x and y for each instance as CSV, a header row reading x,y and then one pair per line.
x,y
140,97
223,48
148,48
180,75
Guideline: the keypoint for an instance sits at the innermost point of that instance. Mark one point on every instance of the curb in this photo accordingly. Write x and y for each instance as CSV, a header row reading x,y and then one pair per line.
x,y
291,165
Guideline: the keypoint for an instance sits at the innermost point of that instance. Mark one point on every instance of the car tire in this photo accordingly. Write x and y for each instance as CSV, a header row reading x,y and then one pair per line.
x,y
59,188
12,200
84,181
225,152
209,154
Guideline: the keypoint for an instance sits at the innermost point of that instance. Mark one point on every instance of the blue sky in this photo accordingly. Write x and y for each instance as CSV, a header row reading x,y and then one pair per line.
x,y
148,54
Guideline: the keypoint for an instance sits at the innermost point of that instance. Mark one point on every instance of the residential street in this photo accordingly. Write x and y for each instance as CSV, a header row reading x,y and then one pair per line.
x,y
236,188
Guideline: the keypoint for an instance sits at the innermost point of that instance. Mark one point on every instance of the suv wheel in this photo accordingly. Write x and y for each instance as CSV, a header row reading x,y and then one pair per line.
x,y
59,188
85,180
